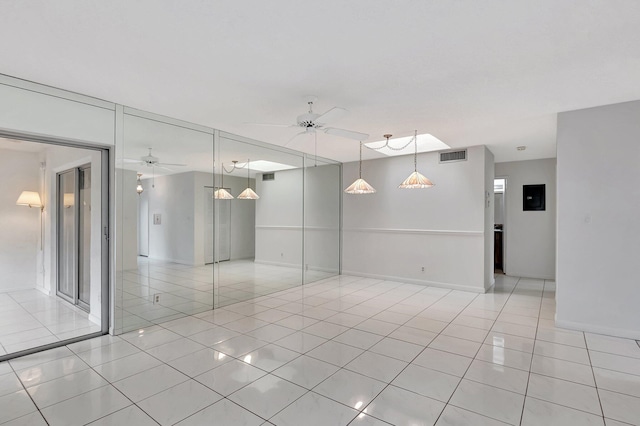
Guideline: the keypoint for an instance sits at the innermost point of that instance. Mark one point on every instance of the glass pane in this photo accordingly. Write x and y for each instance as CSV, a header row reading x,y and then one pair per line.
x,y
322,193
67,235
259,240
165,180
84,240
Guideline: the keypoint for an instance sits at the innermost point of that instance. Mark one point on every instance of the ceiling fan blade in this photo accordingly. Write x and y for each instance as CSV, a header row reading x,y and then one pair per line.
x,y
295,136
162,167
333,114
130,160
171,164
271,124
349,134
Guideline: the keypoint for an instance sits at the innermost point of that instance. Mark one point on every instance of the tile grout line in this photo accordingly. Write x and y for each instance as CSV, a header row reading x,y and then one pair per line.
x,y
474,358
535,339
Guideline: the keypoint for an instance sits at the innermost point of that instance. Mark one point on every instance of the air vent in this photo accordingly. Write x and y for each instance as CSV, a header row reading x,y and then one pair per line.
x,y
449,156
268,176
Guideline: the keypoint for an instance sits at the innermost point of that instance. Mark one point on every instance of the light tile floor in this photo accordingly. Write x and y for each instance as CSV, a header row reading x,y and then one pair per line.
x,y
30,318
346,350
188,290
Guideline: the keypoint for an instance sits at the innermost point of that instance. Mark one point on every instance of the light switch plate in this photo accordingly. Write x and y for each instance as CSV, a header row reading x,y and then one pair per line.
x,y
157,219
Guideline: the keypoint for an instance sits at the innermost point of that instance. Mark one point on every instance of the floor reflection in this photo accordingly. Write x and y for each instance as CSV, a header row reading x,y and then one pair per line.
x,y
161,291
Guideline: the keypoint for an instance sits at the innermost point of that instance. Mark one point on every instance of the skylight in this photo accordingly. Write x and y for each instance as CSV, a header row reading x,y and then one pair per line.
x,y
267,166
426,143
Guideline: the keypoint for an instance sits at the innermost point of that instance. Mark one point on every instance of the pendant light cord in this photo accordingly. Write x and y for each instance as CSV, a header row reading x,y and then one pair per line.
x,y
360,165
415,153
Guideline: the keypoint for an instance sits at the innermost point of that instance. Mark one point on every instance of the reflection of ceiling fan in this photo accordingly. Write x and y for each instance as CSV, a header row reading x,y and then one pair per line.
x,y
151,161
312,122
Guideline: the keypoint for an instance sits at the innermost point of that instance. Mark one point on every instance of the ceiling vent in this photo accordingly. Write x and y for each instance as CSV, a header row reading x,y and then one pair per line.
x,y
449,156
268,176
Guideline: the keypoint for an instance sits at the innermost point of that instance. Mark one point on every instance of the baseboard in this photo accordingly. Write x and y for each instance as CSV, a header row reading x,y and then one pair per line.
x,y
598,329
283,264
425,283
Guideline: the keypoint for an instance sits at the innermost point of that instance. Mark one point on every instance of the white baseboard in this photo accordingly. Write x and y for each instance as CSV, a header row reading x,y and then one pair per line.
x,y
598,329
425,283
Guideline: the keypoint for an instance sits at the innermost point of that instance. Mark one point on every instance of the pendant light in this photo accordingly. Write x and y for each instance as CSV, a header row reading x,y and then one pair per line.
x,y
139,188
415,179
248,193
221,193
360,186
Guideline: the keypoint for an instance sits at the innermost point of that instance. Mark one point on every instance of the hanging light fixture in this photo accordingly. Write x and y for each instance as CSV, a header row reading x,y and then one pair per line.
x,y
248,193
415,179
139,188
360,186
221,193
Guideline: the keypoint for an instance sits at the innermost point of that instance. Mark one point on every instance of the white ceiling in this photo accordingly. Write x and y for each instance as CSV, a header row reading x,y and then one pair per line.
x,y
469,72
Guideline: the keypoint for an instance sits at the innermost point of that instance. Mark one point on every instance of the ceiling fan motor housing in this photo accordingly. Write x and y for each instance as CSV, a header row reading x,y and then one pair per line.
x,y
308,120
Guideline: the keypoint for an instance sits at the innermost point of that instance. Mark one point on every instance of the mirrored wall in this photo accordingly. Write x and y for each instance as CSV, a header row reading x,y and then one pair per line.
x,y
206,219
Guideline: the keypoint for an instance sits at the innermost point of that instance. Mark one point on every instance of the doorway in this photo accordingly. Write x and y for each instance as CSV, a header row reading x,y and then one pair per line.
x,y
74,236
499,190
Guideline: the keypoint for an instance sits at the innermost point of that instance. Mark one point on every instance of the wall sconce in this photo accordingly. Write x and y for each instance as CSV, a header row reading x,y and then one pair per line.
x,y
32,199
68,199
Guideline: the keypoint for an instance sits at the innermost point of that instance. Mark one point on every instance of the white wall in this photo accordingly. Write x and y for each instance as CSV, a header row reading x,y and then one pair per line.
x,y
322,194
529,236
128,217
598,227
179,198
395,232
489,219
19,225
242,230
279,219
499,208
173,199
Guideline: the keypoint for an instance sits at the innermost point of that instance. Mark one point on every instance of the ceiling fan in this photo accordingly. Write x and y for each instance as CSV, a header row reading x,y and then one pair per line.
x,y
312,122
151,161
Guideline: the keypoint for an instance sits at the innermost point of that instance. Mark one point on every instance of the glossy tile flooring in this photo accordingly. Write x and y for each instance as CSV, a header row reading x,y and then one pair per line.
x,y
30,318
188,290
346,350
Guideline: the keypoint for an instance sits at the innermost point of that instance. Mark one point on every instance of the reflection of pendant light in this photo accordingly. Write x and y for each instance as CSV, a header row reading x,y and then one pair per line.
x,y
360,186
248,193
139,187
221,193
415,179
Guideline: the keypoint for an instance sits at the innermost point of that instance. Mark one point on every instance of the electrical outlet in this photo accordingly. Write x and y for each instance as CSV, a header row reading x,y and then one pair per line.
x,y
423,269
156,298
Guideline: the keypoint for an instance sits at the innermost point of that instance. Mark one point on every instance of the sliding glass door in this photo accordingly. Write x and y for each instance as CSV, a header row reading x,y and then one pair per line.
x,y
74,236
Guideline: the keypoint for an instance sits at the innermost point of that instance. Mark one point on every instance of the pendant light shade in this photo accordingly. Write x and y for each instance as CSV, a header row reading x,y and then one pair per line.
x,y
416,180
360,186
248,194
221,193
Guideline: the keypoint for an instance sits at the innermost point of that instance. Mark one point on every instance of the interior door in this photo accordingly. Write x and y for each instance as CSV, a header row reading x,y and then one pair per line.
x,y
67,285
84,237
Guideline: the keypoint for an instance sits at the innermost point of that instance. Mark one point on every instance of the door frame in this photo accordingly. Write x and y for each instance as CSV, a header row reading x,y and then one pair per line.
x,y
107,174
